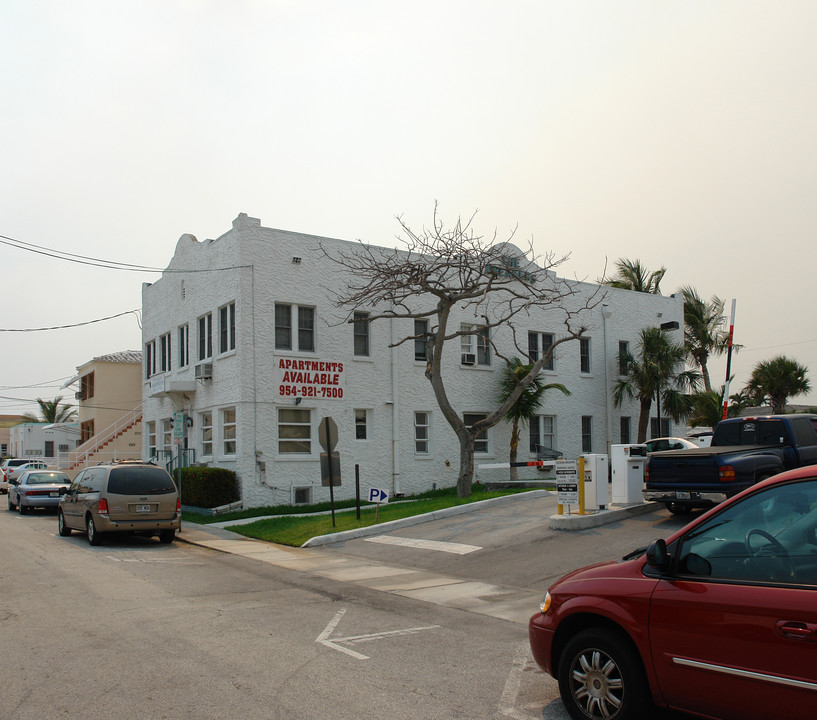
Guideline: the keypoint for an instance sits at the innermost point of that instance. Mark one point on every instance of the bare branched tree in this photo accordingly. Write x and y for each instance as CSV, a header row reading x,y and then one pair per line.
x,y
447,269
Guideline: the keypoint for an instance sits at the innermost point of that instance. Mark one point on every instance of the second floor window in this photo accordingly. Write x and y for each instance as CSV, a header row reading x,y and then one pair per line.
x,y
538,344
226,328
421,340
164,353
623,355
475,345
284,327
206,336
584,354
150,358
361,333
184,346
86,386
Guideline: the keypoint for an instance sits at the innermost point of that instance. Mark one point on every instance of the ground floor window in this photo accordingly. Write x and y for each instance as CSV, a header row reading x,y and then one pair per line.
x,y
481,444
542,433
228,430
422,422
294,431
587,433
624,427
206,425
361,424
151,428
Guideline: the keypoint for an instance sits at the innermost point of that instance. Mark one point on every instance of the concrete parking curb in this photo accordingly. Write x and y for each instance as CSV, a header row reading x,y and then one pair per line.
x,y
600,517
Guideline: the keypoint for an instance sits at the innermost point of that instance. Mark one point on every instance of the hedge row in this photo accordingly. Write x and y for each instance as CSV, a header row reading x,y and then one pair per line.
x,y
209,487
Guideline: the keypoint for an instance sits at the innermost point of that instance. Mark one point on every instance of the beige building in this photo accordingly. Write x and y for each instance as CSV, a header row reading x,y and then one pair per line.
x,y
6,423
108,390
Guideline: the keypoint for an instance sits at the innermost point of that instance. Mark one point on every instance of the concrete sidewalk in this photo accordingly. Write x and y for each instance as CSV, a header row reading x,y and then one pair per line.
x,y
506,603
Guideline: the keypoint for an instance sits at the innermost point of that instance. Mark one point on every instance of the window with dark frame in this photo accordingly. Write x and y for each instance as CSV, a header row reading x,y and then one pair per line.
x,y
206,336
623,355
226,327
361,334
538,344
587,433
421,340
184,345
584,354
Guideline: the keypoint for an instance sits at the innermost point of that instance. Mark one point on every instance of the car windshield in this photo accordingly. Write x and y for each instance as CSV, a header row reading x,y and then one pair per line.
x,y
140,481
45,478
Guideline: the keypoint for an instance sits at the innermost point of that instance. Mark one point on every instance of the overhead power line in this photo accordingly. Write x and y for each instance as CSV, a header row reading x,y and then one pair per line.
x,y
74,325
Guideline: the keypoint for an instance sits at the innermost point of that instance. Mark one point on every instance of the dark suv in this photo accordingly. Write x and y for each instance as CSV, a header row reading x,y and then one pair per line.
x,y
121,497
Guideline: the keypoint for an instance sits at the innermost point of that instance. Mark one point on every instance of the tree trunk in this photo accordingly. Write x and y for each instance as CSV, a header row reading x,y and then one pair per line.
x,y
705,375
514,476
644,419
466,475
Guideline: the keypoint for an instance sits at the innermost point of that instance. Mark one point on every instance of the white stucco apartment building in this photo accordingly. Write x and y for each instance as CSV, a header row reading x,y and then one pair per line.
x,y
240,333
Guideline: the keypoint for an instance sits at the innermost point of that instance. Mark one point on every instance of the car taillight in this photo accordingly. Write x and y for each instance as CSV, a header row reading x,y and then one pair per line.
x,y
647,472
726,473
178,504
103,507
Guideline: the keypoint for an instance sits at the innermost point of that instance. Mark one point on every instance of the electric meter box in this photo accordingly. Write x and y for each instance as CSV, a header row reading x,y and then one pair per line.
x,y
627,463
596,481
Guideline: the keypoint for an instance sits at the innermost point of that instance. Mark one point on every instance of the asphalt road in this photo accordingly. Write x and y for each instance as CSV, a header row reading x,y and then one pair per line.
x,y
138,628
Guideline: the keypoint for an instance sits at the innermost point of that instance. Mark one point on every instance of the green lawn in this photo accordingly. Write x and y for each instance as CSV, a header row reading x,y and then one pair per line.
x,y
297,530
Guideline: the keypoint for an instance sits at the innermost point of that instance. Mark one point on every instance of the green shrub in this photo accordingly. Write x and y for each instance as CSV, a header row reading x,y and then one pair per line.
x,y
209,487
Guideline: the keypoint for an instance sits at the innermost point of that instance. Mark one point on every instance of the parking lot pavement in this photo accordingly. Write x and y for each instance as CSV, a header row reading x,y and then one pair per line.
x,y
496,521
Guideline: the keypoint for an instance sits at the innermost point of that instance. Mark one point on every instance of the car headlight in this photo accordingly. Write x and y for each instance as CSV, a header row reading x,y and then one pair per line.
x,y
544,606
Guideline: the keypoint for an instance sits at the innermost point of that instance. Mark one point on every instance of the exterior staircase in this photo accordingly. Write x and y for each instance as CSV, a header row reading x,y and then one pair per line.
x,y
93,451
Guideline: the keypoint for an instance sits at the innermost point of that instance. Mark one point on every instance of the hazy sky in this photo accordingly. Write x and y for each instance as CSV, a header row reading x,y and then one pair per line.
x,y
683,134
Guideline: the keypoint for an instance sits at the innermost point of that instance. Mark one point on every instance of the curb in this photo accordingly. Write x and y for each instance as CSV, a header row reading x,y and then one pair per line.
x,y
602,517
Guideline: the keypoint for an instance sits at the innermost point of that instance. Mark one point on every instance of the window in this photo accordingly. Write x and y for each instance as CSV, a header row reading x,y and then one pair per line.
x,y
482,355
86,431
421,340
361,425
659,430
151,427
167,436
361,333
86,386
206,424
226,328
481,444
584,354
538,345
301,496
294,431
228,430
184,346
283,327
623,357
206,336
624,430
422,422
150,358
542,433
760,539
164,353
587,433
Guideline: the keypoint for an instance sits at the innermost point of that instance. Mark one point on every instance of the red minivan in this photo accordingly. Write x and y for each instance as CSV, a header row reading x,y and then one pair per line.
x,y
720,620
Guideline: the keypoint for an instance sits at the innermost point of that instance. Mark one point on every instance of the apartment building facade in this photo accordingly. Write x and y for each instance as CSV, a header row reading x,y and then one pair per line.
x,y
242,337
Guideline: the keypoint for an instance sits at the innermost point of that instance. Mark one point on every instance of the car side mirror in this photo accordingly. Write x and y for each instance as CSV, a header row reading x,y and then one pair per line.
x,y
657,556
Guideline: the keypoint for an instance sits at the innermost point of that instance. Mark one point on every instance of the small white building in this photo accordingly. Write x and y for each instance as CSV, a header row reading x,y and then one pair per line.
x,y
241,335
42,441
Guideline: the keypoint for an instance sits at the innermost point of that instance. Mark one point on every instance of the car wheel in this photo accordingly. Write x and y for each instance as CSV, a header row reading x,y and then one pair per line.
x,y
22,509
167,536
601,676
65,531
679,508
94,537
12,506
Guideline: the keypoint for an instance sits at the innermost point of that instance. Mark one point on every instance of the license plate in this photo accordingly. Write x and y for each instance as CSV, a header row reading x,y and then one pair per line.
x,y
53,494
682,495
142,508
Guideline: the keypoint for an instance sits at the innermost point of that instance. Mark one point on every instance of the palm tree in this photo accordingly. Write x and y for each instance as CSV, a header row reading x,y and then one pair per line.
x,y
526,406
632,275
655,374
704,332
776,380
707,408
52,411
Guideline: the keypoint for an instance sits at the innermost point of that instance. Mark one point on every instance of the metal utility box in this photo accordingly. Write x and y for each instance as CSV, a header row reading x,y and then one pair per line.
x,y
596,481
627,463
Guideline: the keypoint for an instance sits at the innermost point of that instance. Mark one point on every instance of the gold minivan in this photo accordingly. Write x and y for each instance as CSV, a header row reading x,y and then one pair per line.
x,y
121,497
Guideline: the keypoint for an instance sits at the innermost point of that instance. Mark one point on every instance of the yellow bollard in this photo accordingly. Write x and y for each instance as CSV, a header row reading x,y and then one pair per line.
x,y
581,484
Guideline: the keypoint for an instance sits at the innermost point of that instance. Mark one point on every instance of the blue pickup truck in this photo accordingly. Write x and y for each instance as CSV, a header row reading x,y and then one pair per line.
x,y
743,451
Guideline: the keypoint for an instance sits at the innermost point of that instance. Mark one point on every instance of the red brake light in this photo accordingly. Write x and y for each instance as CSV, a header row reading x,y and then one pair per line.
x,y
178,504
726,473
647,472
103,507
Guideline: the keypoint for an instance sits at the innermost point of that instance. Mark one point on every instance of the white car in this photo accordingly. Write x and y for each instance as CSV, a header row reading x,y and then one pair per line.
x,y
6,468
669,443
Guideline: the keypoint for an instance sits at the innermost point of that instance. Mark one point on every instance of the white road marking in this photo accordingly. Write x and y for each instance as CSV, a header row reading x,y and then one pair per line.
x,y
323,638
507,702
449,547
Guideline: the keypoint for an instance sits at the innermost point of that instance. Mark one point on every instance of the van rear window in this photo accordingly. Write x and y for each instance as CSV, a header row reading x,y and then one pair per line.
x,y
140,481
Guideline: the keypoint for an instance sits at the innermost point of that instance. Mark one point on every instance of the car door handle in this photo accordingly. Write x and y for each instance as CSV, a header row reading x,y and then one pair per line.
x,y
796,630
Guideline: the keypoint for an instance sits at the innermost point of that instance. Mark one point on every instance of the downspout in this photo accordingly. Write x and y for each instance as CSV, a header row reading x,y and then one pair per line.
x,y
605,314
395,411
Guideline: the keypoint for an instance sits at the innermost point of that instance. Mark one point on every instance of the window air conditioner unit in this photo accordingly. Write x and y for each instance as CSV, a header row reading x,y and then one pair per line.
x,y
80,395
204,371
468,358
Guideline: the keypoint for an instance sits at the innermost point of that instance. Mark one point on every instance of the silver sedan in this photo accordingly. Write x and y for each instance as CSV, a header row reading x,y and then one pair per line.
x,y
37,488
